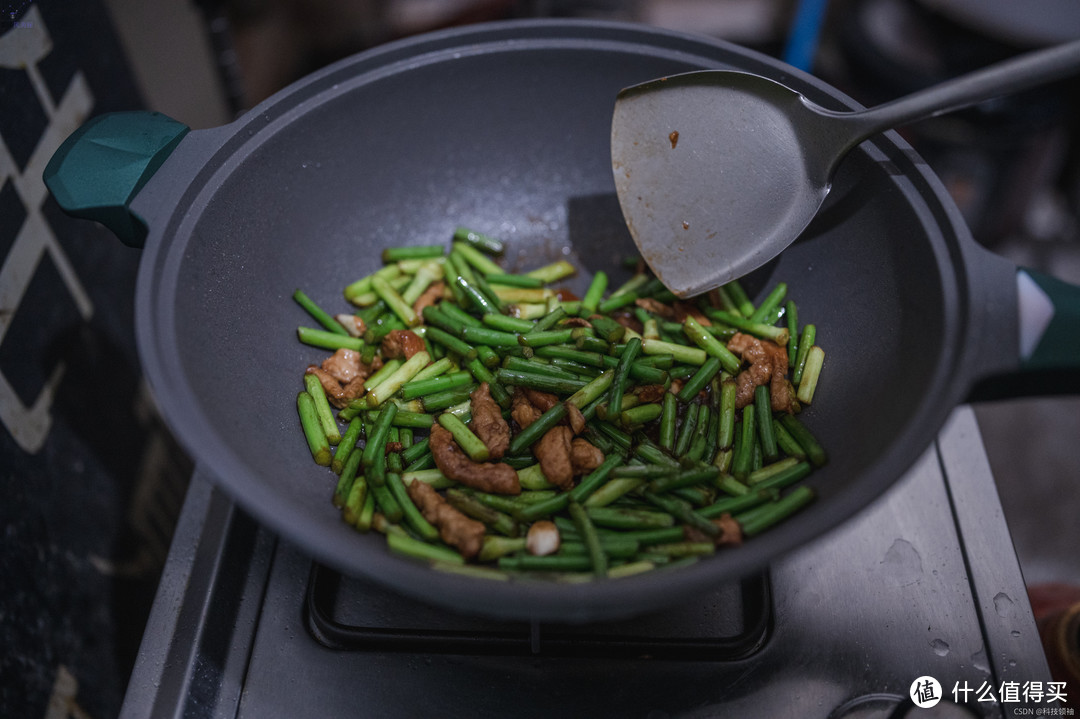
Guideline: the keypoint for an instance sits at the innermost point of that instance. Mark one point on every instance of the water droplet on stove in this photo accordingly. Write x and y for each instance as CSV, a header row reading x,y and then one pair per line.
x,y
903,563
940,647
1003,604
1014,633
978,660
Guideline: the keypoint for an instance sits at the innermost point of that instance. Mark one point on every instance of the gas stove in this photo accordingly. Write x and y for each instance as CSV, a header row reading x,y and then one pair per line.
x,y
924,583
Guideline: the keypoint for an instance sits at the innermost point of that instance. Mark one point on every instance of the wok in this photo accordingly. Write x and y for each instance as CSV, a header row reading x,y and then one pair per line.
x,y
504,128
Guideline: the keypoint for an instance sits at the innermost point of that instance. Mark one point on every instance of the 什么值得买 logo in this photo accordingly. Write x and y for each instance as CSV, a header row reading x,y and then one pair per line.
x,y
925,692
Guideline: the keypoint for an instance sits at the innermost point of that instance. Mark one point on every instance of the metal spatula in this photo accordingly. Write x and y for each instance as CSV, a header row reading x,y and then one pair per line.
x,y
717,172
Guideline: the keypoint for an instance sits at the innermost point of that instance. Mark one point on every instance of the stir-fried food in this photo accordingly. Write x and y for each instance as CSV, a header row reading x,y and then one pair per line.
x,y
475,415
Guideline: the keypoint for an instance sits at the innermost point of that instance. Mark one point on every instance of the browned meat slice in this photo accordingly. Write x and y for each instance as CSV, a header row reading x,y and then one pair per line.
x,y
330,385
369,369
401,343
740,342
575,322
455,528
430,296
528,404
656,307
338,394
488,423
565,294
342,376
493,477
730,531
351,391
344,365
782,395
575,418
685,309
768,363
553,453
744,392
651,393
522,410
584,457
543,401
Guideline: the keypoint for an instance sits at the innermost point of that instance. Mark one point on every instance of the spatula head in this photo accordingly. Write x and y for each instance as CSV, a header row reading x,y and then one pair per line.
x,y
711,175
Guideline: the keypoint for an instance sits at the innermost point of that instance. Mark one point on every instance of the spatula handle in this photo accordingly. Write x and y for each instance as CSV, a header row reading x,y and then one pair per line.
x,y
1018,73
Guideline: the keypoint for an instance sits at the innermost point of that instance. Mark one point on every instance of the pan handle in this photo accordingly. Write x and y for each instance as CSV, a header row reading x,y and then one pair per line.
x,y
100,167
1049,323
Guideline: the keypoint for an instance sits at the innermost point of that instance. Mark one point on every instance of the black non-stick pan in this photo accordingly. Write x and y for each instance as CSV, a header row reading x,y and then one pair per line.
x,y
505,128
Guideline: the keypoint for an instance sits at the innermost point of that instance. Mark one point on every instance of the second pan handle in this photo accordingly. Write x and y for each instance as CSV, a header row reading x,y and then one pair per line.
x,y
99,168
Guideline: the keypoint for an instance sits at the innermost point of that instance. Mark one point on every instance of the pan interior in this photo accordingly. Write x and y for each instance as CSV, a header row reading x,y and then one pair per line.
x,y
514,144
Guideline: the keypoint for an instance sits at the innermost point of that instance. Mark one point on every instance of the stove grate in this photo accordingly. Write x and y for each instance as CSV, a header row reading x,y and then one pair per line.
x,y
347,614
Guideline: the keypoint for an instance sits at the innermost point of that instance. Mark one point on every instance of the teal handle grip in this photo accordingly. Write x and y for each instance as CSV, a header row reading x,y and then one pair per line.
x,y
1049,322
98,170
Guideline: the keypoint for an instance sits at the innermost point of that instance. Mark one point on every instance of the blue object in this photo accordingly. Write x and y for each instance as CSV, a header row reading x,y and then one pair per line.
x,y
805,30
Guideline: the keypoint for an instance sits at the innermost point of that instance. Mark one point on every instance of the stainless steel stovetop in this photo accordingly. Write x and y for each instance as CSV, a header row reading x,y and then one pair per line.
x,y
923,583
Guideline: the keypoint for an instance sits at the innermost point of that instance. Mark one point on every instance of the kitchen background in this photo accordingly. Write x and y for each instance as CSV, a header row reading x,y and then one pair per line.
x,y
91,483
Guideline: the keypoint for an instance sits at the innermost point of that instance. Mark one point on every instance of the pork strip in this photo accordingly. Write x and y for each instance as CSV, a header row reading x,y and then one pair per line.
x,y
575,418
553,452
656,307
455,528
344,365
338,394
584,456
543,401
730,531
401,343
428,297
522,410
768,364
488,423
452,461
651,393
